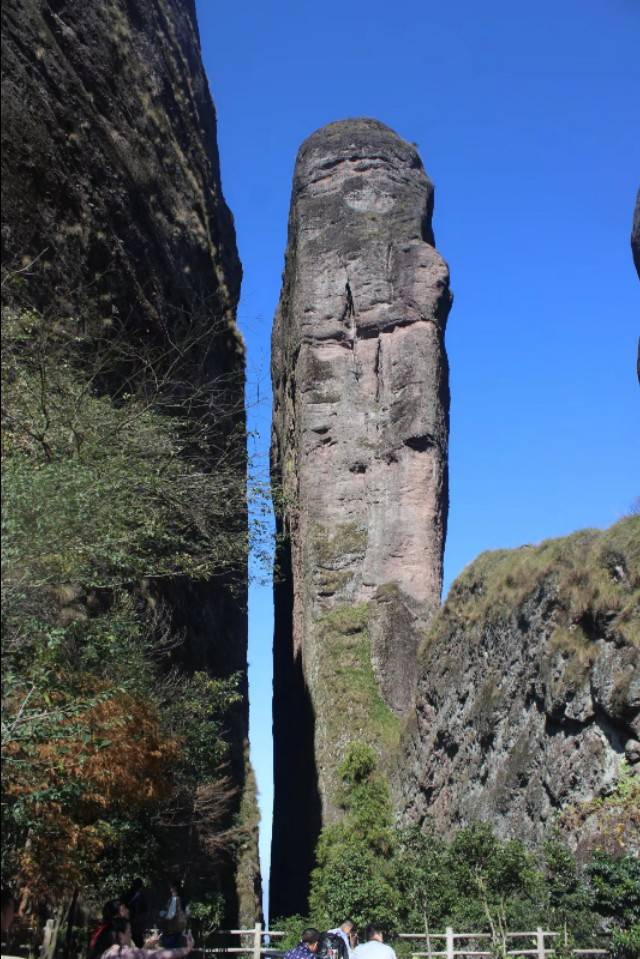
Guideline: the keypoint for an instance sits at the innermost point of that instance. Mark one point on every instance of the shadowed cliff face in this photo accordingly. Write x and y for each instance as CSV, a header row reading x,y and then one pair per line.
x,y
110,163
111,190
635,235
529,693
360,428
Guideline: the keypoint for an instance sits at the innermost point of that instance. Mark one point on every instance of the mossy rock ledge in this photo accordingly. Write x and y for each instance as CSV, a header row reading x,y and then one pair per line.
x,y
528,709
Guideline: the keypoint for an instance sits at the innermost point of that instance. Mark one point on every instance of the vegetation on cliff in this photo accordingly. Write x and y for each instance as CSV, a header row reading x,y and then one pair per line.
x,y
474,881
109,746
528,693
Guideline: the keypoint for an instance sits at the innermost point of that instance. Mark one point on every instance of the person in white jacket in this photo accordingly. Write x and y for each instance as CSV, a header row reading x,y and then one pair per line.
x,y
346,931
375,946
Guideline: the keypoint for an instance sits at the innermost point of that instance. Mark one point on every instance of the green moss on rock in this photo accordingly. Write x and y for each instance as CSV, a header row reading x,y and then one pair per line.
x,y
592,577
348,699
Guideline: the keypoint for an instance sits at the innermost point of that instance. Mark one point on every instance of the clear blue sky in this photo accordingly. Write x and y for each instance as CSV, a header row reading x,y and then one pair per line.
x,y
526,116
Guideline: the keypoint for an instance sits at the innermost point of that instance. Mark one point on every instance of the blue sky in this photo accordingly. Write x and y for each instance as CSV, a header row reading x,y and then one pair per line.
x,y
526,117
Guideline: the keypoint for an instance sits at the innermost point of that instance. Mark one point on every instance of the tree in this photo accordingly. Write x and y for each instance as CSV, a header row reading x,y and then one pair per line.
x,y
354,875
123,467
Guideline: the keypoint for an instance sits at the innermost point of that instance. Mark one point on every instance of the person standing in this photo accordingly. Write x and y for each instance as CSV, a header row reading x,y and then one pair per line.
x,y
123,947
346,932
174,918
102,936
375,946
136,900
307,947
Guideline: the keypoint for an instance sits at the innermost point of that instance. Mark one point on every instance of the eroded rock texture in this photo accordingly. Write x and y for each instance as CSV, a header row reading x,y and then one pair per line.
x,y
635,235
529,694
360,428
635,249
111,191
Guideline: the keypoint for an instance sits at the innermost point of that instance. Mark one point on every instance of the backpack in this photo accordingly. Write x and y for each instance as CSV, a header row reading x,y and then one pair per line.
x,y
331,946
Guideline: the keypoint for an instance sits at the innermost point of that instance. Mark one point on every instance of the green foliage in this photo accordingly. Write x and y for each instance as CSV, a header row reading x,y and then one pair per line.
x,y
207,914
118,472
354,875
293,927
626,942
615,886
475,881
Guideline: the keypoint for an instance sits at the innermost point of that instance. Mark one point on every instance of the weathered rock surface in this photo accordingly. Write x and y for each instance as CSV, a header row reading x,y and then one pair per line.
x,y
360,429
635,235
111,191
529,693
635,249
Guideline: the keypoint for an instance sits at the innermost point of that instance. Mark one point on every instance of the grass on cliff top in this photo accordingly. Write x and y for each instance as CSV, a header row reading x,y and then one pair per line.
x,y
592,576
349,702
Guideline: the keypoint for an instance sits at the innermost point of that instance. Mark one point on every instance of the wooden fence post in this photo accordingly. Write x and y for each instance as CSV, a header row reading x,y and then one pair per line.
x,y
257,940
449,942
540,943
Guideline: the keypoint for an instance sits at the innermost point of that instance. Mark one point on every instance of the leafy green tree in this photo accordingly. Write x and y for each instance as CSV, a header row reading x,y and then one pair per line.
x,y
615,886
354,875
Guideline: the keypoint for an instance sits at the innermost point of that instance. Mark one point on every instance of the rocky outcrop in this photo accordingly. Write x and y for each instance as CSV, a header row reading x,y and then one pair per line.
x,y
113,214
635,235
359,459
528,706
635,249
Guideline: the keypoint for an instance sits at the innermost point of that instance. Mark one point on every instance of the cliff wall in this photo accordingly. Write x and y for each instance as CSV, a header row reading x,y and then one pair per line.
x,y
528,704
113,213
359,460
635,235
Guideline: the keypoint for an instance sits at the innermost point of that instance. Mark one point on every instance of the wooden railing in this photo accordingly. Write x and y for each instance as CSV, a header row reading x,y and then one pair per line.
x,y
532,944
535,944
524,944
254,945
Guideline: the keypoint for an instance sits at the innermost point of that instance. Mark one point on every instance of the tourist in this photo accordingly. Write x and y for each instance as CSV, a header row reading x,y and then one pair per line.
x,y
307,946
174,918
8,912
136,901
102,937
374,947
346,931
123,946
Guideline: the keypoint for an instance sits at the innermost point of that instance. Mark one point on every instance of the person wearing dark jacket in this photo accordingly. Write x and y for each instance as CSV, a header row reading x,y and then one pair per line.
x,y
136,901
307,947
102,935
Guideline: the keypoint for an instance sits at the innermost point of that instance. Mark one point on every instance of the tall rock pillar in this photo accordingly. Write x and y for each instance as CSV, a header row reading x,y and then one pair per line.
x,y
359,459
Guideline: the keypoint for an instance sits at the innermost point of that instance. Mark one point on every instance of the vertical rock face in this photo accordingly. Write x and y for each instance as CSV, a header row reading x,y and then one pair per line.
x,y
529,695
635,249
635,235
360,429
113,209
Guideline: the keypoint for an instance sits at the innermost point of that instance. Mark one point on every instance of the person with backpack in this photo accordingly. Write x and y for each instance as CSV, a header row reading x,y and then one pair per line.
x,y
347,932
333,945
174,918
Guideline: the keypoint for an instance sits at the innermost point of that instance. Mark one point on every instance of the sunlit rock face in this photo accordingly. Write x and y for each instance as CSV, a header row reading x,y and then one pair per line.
x,y
528,701
360,430
112,208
